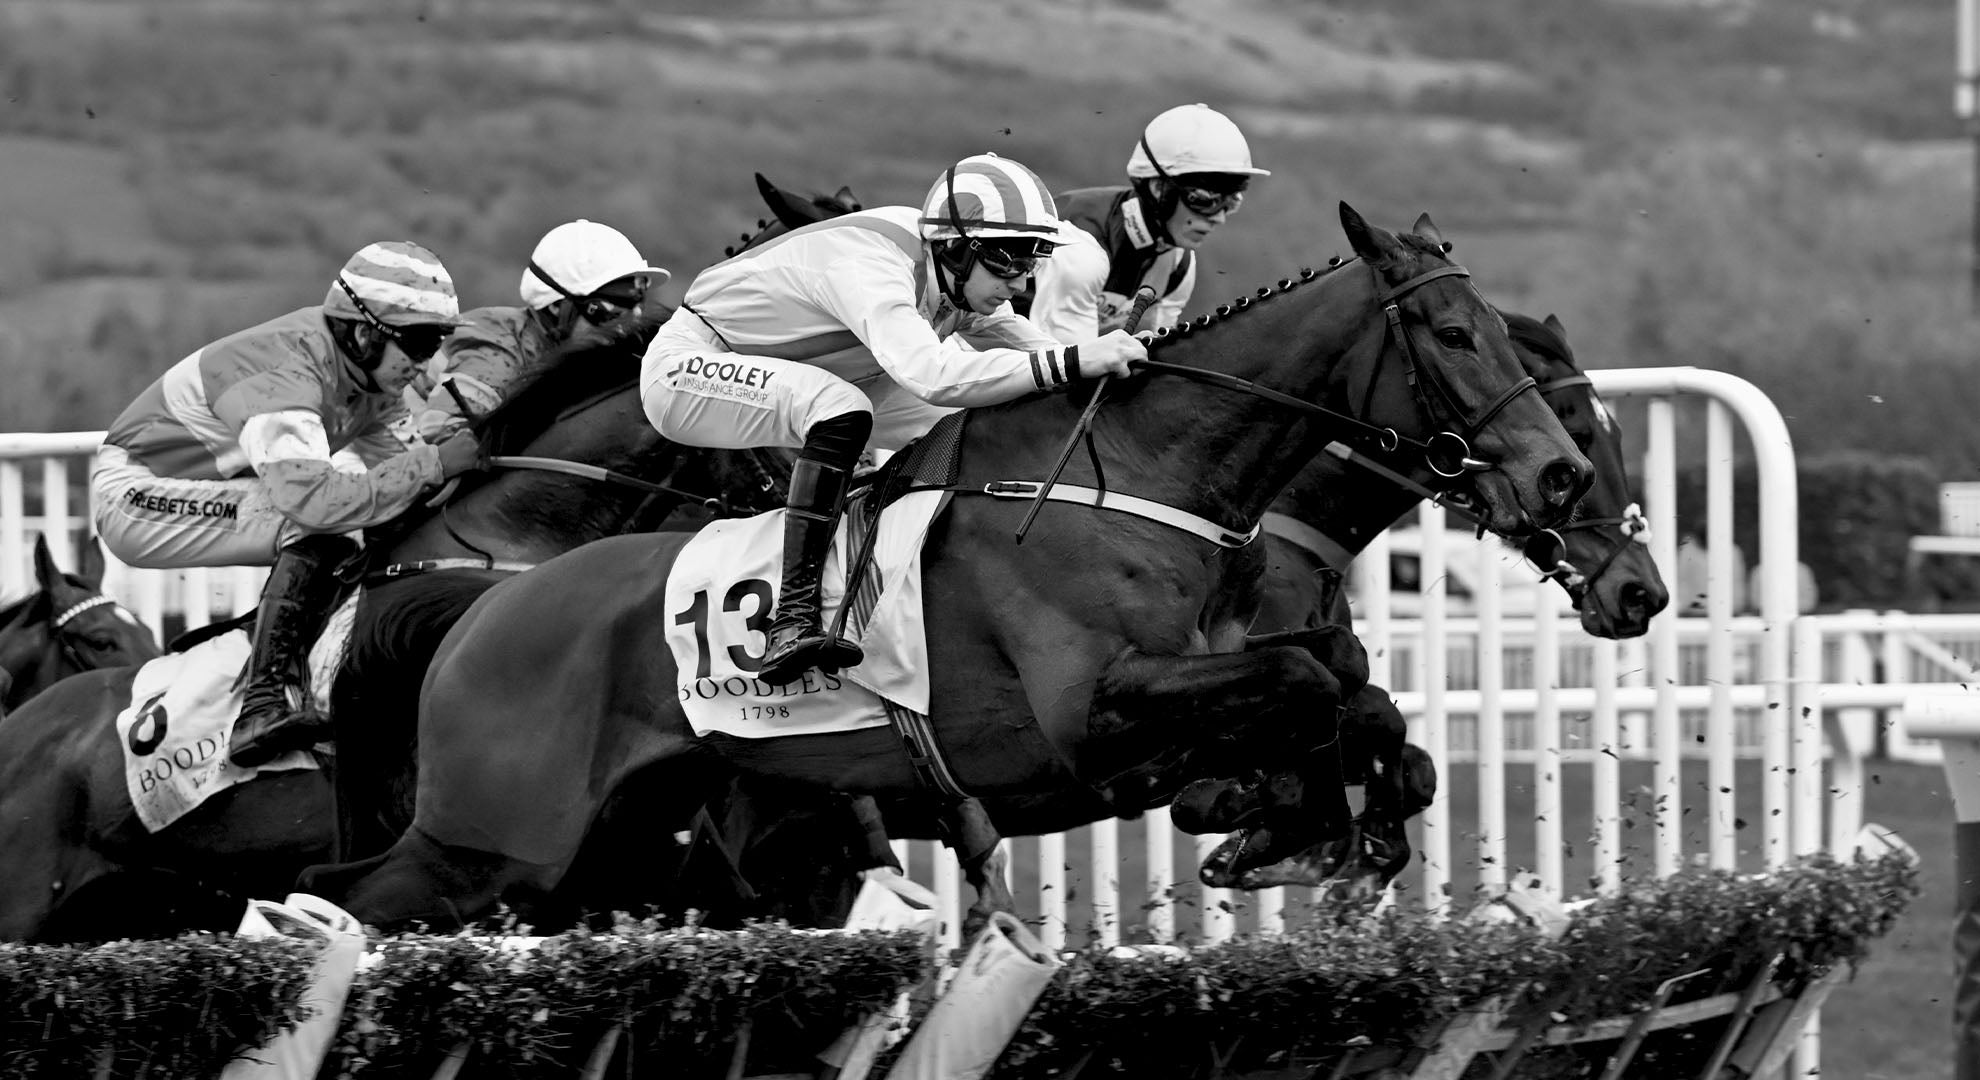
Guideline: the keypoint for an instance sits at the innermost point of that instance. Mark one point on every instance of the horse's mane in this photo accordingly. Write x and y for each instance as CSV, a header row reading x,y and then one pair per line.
x,y
568,374
13,611
1167,334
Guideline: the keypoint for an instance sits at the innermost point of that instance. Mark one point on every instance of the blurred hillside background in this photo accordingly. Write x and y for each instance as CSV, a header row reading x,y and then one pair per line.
x,y
1775,188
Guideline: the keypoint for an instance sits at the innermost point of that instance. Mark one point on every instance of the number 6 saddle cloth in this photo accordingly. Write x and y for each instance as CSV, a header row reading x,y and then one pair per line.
x,y
720,598
182,710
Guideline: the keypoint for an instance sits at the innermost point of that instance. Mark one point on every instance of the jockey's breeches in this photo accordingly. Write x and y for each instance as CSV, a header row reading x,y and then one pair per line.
x,y
164,522
698,392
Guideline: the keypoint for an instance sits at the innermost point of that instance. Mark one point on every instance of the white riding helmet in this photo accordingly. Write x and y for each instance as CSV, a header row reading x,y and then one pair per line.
x,y
577,258
986,196
1191,139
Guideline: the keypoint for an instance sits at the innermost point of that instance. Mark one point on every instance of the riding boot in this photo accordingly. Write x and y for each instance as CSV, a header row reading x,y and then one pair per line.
x,y
798,638
276,714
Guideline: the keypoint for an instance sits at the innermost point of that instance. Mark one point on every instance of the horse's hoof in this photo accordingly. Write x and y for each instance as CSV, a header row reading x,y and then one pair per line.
x,y
1207,806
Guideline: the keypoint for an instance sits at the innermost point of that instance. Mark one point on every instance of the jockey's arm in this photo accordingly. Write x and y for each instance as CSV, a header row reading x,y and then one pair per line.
x,y
290,453
480,367
1067,290
876,301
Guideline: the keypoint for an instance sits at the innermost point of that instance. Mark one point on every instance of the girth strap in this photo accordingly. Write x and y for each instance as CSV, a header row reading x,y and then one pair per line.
x,y
421,566
1126,504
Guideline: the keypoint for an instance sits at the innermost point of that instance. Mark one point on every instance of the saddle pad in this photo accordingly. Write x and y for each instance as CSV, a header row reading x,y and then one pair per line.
x,y
720,597
183,706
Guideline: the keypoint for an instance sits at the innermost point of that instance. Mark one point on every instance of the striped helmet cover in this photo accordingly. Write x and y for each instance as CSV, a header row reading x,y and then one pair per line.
x,y
402,283
994,197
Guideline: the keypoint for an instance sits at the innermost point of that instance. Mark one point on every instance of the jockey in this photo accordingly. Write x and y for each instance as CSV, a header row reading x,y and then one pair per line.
x,y
845,332
581,276
1187,175
270,445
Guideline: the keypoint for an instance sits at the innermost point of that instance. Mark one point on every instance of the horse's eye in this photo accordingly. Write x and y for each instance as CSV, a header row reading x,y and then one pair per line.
x,y
100,644
1452,337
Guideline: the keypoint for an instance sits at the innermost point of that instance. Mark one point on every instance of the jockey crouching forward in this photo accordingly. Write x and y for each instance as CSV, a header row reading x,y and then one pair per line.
x,y
226,460
843,332
582,278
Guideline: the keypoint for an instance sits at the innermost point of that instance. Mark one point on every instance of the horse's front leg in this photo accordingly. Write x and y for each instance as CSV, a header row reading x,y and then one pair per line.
x,y
1267,701
1335,646
979,848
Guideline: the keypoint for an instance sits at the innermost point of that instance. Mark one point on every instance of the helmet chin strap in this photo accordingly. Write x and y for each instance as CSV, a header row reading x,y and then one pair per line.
x,y
1156,213
954,290
356,343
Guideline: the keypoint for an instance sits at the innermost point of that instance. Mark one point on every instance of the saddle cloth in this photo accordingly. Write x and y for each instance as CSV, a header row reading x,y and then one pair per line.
x,y
720,597
183,706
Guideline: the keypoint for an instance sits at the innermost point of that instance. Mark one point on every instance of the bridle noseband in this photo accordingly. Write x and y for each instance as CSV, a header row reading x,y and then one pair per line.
x,y
1553,564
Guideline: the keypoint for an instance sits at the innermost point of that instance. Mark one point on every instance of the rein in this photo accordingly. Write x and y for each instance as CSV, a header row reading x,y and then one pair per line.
x,y
1455,458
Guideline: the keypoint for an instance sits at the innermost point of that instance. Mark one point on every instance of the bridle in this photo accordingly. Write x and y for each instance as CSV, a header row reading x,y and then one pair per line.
x,y
1552,560
1447,453
58,628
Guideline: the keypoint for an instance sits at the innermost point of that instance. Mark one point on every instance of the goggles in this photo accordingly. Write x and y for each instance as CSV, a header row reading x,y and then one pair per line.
x,y
1206,203
598,308
1009,263
419,342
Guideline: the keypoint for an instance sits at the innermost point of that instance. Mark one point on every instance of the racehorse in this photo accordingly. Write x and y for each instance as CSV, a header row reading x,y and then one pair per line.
x,y
1331,511
68,834
1102,643
65,627
1601,559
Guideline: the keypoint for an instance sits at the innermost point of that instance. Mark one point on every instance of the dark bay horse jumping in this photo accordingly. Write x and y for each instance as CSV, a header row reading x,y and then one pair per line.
x,y
74,848
1332,510
65,627
1338,506
1103,643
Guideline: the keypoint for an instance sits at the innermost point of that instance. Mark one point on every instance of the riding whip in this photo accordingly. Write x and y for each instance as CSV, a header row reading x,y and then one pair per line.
x,y
1143,297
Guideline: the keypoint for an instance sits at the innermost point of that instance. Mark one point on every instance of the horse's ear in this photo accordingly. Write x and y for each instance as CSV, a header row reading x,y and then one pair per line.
x,y
90,568
45,570
1554,324
1371,242
1427,229
845,197
794,212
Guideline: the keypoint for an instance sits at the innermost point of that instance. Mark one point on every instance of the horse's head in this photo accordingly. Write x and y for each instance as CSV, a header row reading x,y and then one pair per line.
x,y
67,627
1457,376
1602,557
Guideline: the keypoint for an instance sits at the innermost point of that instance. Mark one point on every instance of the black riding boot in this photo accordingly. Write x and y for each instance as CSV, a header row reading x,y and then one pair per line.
x,y
798,639
276,716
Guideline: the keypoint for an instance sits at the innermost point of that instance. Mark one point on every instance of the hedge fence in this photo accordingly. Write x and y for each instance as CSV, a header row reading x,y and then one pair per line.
x,y
1258,1005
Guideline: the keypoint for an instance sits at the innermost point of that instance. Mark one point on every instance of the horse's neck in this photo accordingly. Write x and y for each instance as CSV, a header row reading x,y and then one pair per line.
x,y
524,517
1224,453
1346,503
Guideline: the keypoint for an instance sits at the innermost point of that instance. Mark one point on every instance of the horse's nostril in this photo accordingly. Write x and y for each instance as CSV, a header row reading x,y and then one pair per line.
x,y
1560,483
